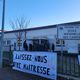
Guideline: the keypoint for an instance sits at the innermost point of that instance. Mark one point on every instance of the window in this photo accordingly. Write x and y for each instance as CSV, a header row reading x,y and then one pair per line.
x,y
4,42
36,41
8,42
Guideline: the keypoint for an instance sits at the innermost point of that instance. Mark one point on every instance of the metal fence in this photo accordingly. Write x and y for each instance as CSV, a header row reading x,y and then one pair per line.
x,y
68,64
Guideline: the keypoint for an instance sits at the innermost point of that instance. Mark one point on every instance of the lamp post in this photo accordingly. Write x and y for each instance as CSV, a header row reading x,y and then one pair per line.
x,y
2,34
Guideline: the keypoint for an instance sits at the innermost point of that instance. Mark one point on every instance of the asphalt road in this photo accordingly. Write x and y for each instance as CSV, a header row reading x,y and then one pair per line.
x,y
9,74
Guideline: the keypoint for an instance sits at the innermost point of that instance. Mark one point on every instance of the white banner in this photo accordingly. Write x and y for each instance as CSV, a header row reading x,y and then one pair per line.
x,y
39,63
79,59
69,32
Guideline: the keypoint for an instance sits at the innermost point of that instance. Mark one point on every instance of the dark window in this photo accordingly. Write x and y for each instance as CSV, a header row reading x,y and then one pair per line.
x,y
8,42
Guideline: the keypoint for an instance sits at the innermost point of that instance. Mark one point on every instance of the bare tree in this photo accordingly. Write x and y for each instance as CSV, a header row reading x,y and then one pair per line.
x,y
20,24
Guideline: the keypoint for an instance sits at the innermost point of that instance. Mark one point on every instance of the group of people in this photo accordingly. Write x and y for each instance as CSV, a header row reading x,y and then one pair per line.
x,y
27,47
37,47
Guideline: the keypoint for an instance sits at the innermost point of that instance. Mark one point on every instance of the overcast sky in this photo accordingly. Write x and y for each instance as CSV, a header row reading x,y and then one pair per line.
x,y
41,12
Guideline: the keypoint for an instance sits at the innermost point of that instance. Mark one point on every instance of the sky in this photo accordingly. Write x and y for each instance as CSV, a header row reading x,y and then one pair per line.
x,y
41,12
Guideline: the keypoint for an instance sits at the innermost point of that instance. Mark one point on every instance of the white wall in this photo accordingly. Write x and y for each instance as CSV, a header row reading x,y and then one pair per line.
x,y
43,33
49,33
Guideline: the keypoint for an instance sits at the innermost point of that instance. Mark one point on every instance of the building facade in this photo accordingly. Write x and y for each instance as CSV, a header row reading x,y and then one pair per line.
x,y
13,40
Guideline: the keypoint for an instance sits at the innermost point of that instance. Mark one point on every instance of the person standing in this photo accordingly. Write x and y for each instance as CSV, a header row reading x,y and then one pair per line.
x,y
25,46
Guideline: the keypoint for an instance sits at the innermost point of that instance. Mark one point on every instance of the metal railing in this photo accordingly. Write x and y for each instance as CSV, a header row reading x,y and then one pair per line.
x,y
68,65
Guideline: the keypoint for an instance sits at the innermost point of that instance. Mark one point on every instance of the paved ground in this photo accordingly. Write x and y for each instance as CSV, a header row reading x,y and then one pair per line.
x,y
9,74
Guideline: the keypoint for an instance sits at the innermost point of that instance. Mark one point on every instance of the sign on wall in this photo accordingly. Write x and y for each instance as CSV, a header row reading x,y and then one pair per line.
x,y
39,63
72,46
69,32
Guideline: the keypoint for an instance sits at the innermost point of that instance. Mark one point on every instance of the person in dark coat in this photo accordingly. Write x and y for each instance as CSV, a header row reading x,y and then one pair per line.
x,y
25,46
30,47
53,47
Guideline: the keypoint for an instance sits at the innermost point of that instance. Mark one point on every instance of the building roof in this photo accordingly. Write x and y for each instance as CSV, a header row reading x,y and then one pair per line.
x,y
44,27
30,29
71,23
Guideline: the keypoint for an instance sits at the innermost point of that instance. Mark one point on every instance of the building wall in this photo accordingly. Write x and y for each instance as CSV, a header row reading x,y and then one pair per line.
x,y
49,34
45,33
